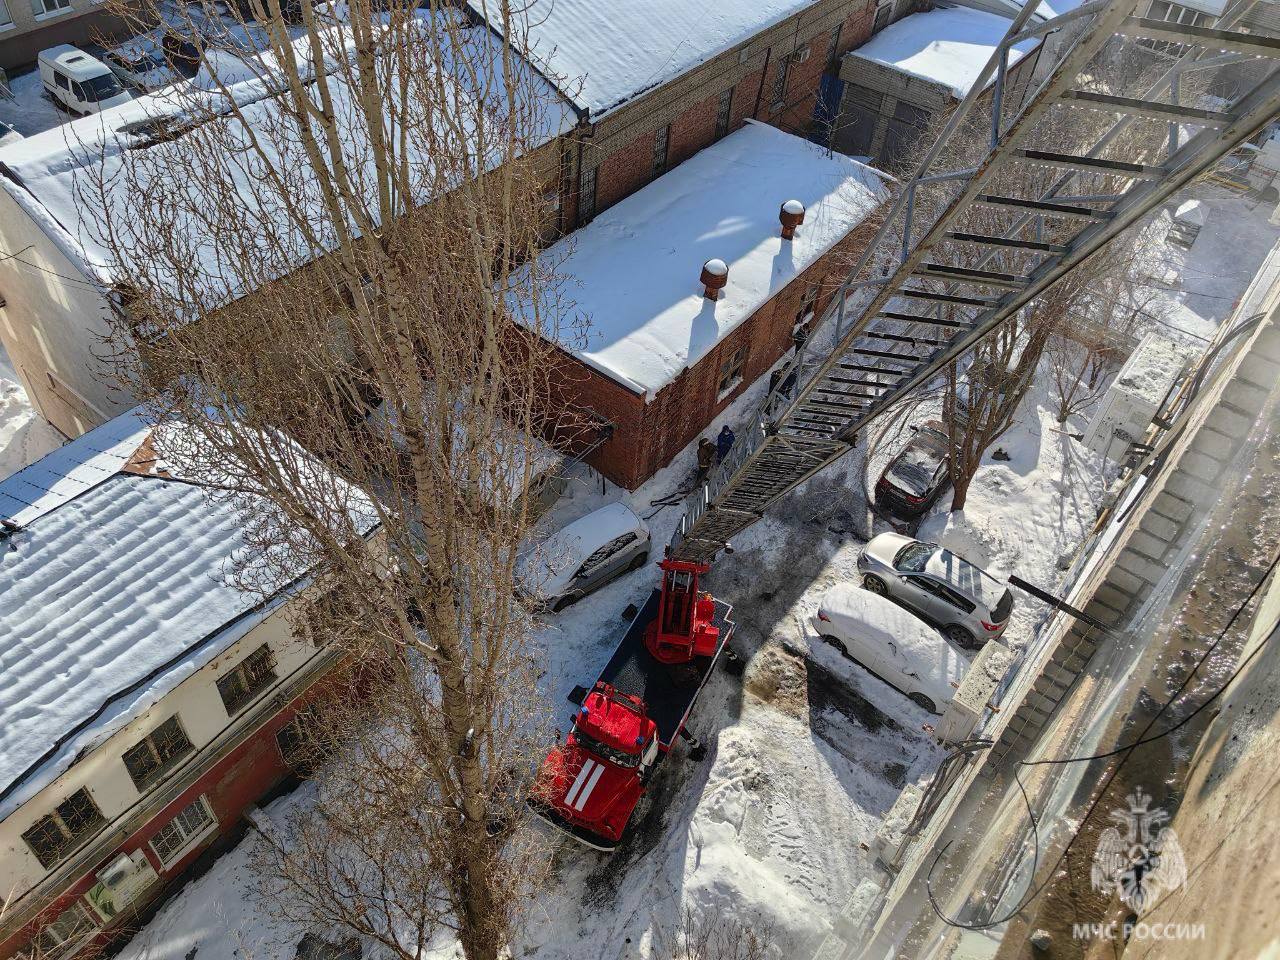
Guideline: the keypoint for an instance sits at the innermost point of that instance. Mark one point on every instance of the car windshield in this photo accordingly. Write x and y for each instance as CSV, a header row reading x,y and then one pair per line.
x,y
102,88
604,751
1001,610
913,557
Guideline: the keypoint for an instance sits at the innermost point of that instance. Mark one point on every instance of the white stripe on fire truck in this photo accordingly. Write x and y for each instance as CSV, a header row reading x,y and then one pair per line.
x,y
577,784
591,785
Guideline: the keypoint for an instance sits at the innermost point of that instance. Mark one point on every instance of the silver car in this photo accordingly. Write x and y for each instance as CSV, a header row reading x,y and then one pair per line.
x,y
964,601
583,557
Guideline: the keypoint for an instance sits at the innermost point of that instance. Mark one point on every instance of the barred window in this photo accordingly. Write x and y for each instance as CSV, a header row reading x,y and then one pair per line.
x,y
68,931
188,825
300,741
884,13
731,371
724,111
587,195
808,301
660,141
148,761
55,835
779,84
251,676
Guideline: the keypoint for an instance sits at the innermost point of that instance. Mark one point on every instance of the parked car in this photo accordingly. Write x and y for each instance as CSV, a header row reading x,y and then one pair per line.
x,y
142,62
892,643
912,481
81,83
584,556
964,601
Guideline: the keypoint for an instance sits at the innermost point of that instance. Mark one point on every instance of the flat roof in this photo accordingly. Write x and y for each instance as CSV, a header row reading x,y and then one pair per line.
x,y
604,54
56,176
946,45
116,588
632,273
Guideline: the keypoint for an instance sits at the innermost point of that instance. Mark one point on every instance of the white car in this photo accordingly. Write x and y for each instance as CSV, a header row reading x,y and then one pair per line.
x,y
892,643
142,63
584,556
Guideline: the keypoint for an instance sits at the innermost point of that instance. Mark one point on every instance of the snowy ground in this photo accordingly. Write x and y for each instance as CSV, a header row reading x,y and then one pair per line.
x,y
24,436
30,111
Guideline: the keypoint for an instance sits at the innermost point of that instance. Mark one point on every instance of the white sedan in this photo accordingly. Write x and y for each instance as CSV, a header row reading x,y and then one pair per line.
x,y
892,643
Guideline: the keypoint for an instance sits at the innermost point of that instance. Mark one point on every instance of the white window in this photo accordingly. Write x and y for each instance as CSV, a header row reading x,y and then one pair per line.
x,y
43,8
5,19
191,824
69,931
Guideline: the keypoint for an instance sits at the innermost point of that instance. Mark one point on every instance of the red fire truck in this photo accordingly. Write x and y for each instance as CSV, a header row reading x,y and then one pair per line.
x,y
630,717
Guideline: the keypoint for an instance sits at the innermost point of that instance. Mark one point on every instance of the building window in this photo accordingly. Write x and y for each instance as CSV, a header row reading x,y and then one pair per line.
x,y
808,301
301,740
191,823
779,96
250,677
833,49
43,7
69,931
884,14
148,761
587,195
5,19
724,110
731,372
660,141
54,836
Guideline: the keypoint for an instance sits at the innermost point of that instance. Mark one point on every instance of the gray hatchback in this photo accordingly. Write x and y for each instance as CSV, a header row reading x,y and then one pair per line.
x,y
964,601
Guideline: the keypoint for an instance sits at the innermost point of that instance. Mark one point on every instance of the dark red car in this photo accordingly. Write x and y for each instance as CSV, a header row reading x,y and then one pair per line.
x,y
913,480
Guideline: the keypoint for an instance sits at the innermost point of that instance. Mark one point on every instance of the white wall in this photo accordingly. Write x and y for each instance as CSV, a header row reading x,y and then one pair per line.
x,y
54,321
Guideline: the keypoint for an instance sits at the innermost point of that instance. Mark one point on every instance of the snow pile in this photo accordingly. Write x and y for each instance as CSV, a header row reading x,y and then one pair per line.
x,y
946,45
1152,367
1027,515
24,436
633,271
604,54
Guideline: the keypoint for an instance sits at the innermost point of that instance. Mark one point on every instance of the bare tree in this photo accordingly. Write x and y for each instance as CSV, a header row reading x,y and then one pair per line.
x,y
324,247
716,936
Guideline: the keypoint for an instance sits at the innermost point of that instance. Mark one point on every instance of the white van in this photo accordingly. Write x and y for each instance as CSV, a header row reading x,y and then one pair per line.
x,y
78,81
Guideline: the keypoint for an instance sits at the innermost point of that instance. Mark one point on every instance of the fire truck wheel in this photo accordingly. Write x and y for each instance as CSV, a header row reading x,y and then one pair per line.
x,y
698,753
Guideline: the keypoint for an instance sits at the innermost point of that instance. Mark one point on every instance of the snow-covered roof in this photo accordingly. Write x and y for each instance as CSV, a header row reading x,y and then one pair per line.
x,y
946,45
115,590
633,271
57,176
605,54
1213,8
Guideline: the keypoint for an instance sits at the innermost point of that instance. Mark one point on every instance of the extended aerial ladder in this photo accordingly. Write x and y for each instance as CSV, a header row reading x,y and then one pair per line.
x,y
889,337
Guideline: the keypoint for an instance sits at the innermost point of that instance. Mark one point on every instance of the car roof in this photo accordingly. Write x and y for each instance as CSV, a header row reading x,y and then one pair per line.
x,y
74,62
970,579
562,553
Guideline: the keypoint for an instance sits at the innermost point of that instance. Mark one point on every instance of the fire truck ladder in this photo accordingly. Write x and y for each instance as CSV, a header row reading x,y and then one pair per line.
x,y
928,312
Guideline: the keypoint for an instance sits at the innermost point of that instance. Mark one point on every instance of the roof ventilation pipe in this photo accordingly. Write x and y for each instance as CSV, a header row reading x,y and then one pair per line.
x,y
715,277
791,216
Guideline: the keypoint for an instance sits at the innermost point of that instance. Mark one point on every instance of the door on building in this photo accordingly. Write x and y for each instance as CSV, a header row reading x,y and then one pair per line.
x,y
826,108
906,126
856,128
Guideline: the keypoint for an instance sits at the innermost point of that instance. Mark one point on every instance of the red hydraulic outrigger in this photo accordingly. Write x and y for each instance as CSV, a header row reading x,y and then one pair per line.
x,y
629,719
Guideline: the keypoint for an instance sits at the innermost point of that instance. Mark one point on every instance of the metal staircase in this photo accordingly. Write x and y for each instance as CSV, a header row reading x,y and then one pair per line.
x,y
954,267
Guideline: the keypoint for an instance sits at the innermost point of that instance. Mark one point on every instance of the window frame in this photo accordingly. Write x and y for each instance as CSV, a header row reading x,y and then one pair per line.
x,y
58,820
778,91
877,23
87,929
253,687
732,370
833,48
808,308
587,193
661,149
189,839
151,745
724,112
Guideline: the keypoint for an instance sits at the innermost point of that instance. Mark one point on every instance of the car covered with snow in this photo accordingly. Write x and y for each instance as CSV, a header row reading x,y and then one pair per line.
x,y
960,598
584,556
912,480
142,62
894,644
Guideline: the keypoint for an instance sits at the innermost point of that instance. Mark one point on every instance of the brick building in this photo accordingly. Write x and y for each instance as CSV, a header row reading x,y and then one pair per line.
x,y
654,83
659,360
148,702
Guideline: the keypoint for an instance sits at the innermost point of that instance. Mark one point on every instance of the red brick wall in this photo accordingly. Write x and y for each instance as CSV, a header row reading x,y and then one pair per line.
x,y
648,436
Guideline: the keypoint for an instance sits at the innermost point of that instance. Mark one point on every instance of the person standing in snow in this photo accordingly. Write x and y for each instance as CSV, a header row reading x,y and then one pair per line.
x,y
724,443
706,457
